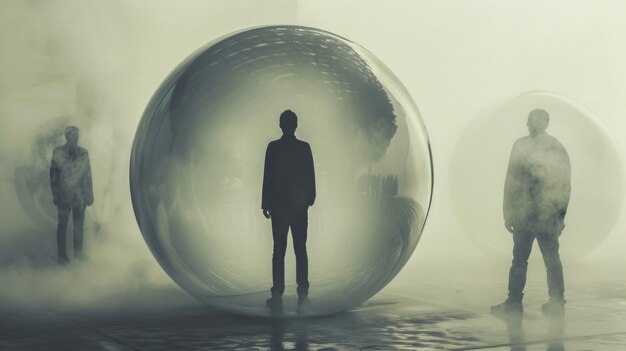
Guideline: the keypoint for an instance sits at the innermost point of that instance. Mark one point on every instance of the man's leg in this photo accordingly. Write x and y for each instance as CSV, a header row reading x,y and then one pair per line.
x,y
549,246
299,224
78,219
64,213
522,245
280,228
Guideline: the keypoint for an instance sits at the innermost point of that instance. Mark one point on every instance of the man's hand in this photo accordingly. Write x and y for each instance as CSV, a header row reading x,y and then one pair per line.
x,y
508,227
267,214
562,220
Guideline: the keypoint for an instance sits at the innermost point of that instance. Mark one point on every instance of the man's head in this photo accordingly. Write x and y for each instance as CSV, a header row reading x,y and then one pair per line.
x,y
288,122
71,135
538,121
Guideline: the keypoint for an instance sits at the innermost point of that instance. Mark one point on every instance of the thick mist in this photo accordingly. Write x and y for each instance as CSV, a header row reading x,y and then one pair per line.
x,y
61,63
61,66
460,58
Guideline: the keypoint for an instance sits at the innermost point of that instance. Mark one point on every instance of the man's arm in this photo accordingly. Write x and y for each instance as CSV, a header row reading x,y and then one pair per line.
x,y
510,185
310,175
87,184
566,186
54,178
266,191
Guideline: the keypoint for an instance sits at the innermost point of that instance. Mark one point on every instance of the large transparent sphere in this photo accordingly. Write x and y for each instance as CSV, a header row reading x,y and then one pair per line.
x,y
481,158
197,167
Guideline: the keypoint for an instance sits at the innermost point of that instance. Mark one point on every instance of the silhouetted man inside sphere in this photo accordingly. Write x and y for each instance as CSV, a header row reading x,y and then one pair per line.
x,y
288,191
70,179
536,196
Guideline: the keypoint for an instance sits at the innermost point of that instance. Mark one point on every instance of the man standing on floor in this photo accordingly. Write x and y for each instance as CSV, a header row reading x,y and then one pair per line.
x,y
288,191
536,196
70,179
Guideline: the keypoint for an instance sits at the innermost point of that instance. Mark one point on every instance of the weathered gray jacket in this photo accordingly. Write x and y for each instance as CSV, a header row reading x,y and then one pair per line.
x,y
70,176
537,187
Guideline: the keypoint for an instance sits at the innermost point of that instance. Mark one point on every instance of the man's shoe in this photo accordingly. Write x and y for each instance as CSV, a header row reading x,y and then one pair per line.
x,y
275,304
63,260
303,301
554,307
302,292
303,304
509,307
80,256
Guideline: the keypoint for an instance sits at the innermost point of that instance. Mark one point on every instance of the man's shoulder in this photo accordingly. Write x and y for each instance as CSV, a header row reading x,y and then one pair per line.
x,y
82,150
283,141
558,147
58,151
555,141
64,150
550,142
525,140
65,146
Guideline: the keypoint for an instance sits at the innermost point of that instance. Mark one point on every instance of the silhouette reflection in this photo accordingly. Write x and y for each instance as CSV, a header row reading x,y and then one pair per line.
x,y
288,335
553,337
515,330
556,330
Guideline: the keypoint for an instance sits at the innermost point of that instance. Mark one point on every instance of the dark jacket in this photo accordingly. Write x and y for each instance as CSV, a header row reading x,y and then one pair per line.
x,y
289,175
70,176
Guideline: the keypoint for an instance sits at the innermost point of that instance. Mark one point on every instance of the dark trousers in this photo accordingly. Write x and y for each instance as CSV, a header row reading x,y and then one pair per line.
x,y
78,218
297,220
549,246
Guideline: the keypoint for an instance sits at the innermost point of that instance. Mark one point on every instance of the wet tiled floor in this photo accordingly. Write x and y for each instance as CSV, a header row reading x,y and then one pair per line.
x,y
390,321
428,314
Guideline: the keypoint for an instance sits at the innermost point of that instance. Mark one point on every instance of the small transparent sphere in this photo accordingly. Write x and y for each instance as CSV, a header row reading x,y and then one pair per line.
x,y
197,168
481,158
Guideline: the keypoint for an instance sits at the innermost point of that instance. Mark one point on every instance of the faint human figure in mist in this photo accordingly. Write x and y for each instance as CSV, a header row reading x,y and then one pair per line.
x,y
536,196
288,191
72,191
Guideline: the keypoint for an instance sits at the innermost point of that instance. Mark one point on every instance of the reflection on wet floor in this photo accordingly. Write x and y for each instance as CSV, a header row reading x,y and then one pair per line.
x,y
380,324
387,322
426,313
